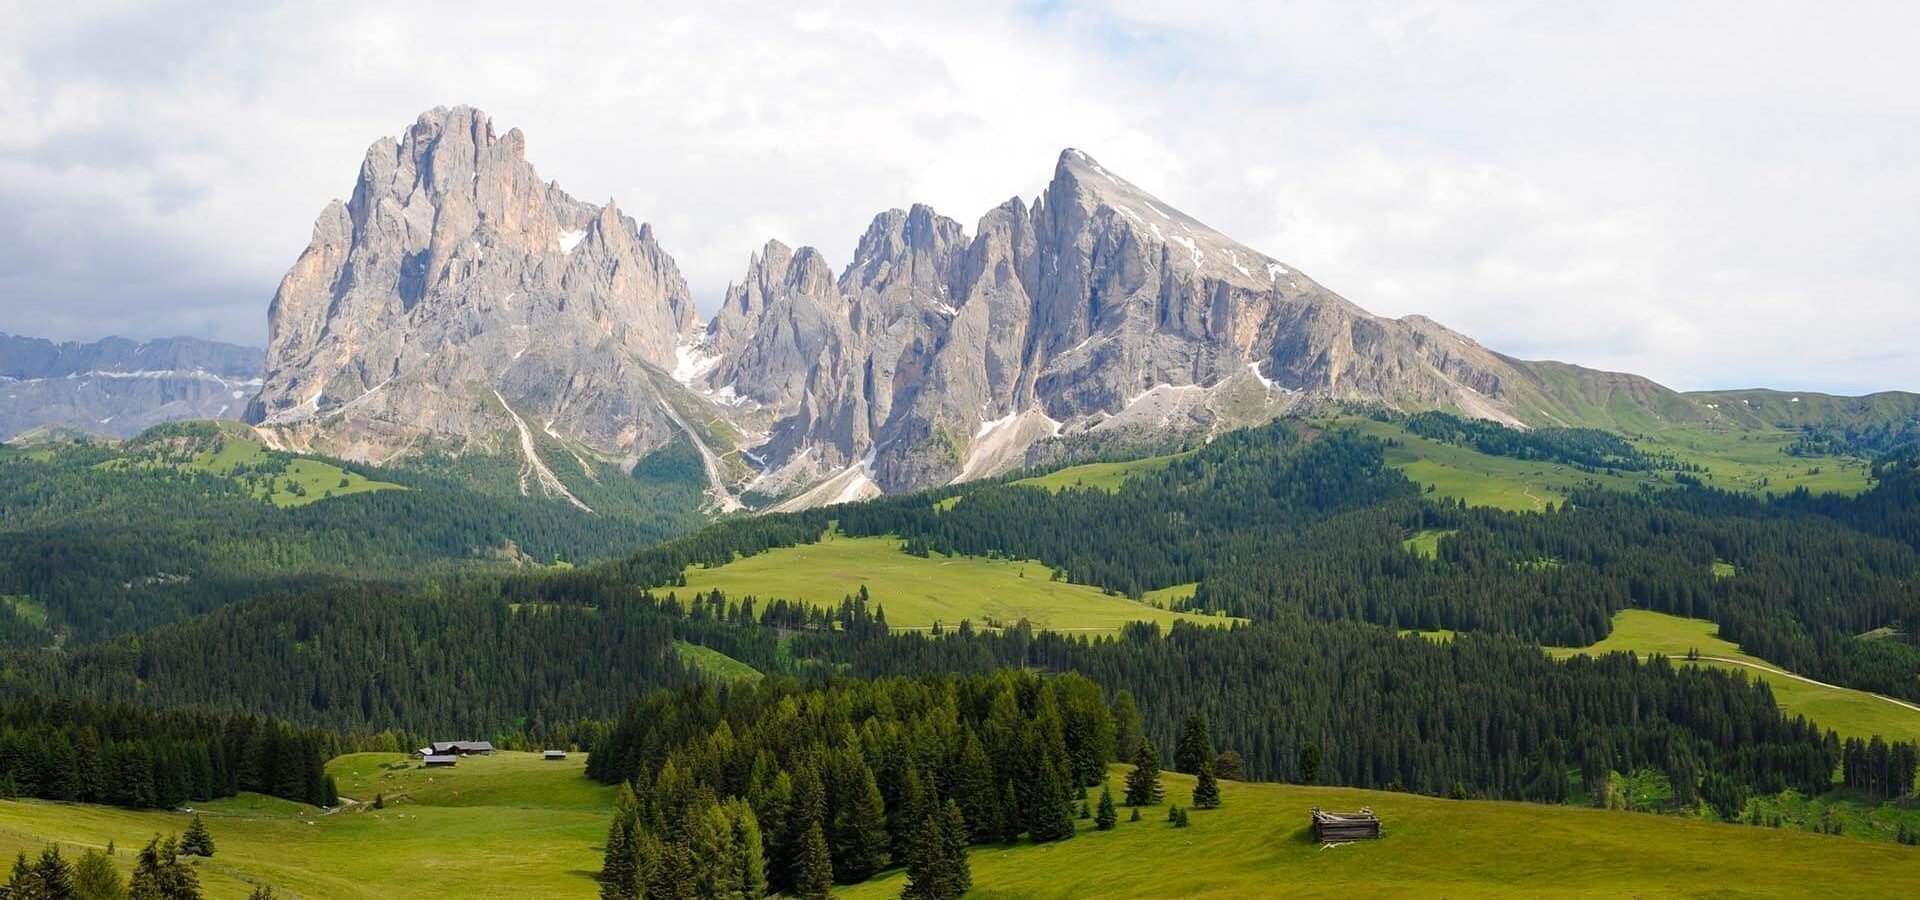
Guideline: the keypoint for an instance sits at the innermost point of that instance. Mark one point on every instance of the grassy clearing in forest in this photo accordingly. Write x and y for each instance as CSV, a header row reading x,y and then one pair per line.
x,y
919,591
1850,712
1106,476
714,663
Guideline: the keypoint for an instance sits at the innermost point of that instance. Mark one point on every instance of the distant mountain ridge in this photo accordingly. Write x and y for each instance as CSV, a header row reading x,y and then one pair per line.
x,y
119,387
459,303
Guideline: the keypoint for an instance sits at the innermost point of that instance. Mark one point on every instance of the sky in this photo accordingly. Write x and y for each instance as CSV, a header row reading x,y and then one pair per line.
x,y
1712,194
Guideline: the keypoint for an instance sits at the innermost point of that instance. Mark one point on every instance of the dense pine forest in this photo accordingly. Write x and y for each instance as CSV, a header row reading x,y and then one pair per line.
x,y
93,752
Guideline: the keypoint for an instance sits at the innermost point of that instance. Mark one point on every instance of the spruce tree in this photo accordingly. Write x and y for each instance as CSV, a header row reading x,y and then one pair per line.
x,y
1195,751
1107,817
860,841
1049,810
1310,763
1143,783
1135,817
1206,790
1128,731
160,875
975,790
96,878
197,841
263,892
937,867
954,830
813,866
619,869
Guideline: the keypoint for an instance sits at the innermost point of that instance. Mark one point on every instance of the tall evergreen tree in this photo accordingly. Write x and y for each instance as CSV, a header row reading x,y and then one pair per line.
x,y
1206,790
813,866
619,869
160,875
1310,763
96,878
197,841
1107,817
859,818
1128,731
1195,751
975,790
1143,783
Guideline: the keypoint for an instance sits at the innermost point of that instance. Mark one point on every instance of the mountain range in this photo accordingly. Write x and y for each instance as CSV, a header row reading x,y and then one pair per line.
x,y
455,303
117,387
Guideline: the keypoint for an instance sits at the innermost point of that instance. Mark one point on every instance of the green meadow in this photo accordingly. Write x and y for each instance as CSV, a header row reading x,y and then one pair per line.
x,y
716,664
1106,476
1426,544
279,478
1257,844
1850,712
1752,461
1755,460
918,591
506,826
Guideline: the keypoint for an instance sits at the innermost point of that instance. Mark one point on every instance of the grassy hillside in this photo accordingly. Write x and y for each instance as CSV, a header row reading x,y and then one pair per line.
x,y
1258,845
918,591
1456,472
1850,712
1749,460
1107,476
1754,460
230,450
508,826
716,664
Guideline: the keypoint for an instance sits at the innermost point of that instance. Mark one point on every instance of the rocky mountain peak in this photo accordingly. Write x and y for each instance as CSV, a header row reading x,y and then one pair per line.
x,y
456,289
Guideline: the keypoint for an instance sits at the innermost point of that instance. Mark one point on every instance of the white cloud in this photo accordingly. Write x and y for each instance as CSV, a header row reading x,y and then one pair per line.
x,y
1711,194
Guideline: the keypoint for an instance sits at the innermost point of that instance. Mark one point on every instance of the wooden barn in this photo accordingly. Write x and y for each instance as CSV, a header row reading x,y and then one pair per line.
x,y
440,760
462,748
1338,828
554,754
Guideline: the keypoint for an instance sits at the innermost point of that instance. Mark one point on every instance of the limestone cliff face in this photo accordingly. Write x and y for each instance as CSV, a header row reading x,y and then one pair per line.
x,y
454,283
1099,307
456,297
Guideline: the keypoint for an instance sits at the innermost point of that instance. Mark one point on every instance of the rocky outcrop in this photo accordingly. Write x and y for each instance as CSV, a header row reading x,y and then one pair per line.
x,y
455,284
119,388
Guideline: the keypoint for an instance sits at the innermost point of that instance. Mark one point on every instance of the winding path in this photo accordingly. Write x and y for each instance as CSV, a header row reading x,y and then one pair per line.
x,y
1786,674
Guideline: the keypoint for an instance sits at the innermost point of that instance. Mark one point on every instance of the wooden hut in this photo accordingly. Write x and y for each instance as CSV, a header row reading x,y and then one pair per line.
x,y
440,761
554,754
1337,828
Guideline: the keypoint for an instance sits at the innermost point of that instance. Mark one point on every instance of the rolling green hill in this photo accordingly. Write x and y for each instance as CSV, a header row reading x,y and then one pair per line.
x,y
1747,460
1850,712
1258,844
229,450
918,591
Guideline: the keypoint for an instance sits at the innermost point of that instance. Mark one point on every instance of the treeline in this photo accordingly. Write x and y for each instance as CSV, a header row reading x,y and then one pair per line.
x,y
1878,769
1375,710
112,549
92,752
838,782
449,664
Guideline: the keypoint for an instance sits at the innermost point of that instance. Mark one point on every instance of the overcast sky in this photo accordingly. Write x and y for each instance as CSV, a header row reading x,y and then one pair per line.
x,y
1712,194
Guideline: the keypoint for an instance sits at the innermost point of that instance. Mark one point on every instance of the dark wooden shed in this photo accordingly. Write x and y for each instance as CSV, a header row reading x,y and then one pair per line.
x,y
1338,828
